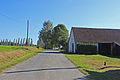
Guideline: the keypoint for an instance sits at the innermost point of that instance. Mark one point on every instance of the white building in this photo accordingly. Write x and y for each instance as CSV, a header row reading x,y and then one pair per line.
x,y
72,42
103,38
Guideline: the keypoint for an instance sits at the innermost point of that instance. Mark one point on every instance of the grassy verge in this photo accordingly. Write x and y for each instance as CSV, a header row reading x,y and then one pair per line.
x,y
13,56
8,48
14,62
62,51
92,66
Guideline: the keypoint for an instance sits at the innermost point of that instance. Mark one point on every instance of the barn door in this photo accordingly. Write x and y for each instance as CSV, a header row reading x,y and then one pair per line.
x,y
73,47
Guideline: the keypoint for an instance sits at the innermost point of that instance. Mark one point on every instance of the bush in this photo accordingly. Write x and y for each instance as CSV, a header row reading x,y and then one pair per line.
x,y
86,48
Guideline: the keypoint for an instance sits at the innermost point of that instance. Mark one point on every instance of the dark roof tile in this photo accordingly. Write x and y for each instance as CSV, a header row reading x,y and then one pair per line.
x,y
94,35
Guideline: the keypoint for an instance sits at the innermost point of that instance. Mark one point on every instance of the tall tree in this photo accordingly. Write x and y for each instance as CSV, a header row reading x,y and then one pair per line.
x,y
6,42
18,41
61,36
3,42
14,42
9,43
28,41
46,34
24,42
31,43
21,42
40,43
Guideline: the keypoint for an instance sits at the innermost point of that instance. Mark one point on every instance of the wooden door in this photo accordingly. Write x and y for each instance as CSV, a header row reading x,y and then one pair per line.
x,y
72,47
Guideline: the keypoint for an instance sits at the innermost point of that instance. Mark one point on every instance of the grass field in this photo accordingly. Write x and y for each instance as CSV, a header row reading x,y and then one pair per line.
x,y
11,55
92,66
8,48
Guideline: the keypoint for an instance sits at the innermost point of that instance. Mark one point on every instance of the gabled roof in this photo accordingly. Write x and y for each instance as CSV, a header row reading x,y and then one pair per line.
x,y
94,35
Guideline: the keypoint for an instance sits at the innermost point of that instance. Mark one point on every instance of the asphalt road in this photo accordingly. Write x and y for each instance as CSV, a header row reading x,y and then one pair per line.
x,y
49,65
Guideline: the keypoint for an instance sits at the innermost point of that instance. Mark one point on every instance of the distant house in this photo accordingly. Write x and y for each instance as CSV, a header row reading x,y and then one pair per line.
x,y
106,40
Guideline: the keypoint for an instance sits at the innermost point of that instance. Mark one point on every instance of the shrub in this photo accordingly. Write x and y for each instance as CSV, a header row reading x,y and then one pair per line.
x,y
86,48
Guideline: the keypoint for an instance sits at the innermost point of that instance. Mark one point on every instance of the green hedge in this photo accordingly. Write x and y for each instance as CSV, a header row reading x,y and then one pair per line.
x,y
86,48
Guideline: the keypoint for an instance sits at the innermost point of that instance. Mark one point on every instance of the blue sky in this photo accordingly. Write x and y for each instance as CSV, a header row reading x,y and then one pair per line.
x,y
83,13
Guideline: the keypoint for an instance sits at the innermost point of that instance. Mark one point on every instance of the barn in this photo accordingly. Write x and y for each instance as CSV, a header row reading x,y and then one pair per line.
x,y
107,41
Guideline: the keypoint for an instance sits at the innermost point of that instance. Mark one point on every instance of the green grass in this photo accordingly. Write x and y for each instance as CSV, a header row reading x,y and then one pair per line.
x,y
8,48
62,51
14,62
11,55
92,66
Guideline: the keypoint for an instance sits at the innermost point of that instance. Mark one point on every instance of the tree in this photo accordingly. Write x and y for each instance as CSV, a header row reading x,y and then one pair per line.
x,y
6,42
46,34
21,42
9,43
28,41
31,43
24,42
40,43
18,41
61,36
14,42
3,42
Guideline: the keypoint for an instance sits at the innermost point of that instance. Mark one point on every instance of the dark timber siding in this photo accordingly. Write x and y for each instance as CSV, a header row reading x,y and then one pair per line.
x,y
109,49
104,48
115,49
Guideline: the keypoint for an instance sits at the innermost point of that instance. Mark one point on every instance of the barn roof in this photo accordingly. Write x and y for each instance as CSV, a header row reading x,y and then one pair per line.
x,y
94,35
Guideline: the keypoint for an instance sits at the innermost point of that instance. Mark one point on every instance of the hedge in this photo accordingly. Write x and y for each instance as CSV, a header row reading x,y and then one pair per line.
x,y
86,48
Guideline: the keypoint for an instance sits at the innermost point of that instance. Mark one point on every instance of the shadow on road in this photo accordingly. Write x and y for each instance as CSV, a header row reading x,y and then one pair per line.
x,y
52,52
49,51
83,78
47,69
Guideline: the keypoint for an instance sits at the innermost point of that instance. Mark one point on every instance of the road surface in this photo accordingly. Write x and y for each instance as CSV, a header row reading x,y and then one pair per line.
x,y
48,65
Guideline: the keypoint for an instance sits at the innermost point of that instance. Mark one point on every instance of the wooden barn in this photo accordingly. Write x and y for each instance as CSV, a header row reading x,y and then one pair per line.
x,y
107,41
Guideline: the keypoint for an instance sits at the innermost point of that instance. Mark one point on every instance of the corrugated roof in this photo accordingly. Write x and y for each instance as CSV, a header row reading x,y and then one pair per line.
x,y
94,35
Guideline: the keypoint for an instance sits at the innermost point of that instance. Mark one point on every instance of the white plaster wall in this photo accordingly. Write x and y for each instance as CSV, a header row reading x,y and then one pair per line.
x,y
97,47
71,40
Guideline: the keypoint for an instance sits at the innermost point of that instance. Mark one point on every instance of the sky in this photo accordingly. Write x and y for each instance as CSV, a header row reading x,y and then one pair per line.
x,y
72,13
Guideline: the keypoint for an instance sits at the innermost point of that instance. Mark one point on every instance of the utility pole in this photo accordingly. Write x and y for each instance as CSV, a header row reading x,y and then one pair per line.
x,y
27,32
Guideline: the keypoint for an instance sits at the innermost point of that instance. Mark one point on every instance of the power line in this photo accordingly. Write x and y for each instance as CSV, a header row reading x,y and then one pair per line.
x,y
8,17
